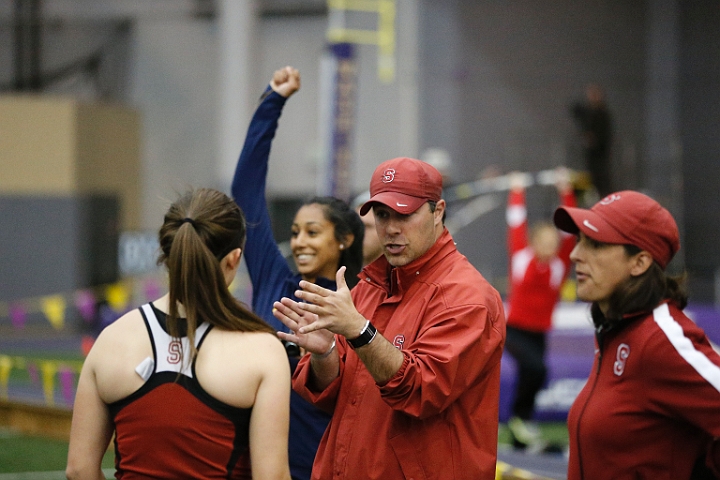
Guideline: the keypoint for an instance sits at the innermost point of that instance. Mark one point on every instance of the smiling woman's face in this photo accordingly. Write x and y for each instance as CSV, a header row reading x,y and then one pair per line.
x,y
315,249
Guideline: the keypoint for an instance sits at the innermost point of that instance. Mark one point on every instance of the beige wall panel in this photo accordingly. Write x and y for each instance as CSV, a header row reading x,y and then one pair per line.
x,y
37,145
109,157
59,146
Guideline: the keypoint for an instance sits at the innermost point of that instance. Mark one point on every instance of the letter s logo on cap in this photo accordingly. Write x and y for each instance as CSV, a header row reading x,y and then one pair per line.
x,y
610,199
388,175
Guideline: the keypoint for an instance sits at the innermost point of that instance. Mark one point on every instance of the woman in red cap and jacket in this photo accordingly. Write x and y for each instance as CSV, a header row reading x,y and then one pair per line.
x,y
651,406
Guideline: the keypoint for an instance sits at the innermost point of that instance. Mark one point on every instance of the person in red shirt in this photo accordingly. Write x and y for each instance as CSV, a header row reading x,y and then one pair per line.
x,y
408,362
651,405
538,267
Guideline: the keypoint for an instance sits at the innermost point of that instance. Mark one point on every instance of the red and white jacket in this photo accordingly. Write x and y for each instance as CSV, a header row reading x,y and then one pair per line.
x,y
534,285
651,404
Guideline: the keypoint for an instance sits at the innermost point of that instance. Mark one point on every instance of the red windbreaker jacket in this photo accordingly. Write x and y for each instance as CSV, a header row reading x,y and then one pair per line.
x,y
437,418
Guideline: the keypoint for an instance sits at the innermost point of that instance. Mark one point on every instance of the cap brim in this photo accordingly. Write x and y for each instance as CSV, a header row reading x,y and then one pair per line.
x,y
574,220
401,203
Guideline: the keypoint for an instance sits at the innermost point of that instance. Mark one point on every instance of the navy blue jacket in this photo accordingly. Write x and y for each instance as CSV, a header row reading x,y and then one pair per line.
x,y
271,276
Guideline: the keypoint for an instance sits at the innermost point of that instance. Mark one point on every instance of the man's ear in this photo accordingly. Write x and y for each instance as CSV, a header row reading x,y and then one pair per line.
x,y
640,263
439,210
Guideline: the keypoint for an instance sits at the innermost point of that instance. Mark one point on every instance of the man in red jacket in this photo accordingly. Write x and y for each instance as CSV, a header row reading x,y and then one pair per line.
x,y
409,362
538,268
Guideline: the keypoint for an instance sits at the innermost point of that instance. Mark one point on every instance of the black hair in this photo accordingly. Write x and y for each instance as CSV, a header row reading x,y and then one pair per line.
x,y
641,293
346,222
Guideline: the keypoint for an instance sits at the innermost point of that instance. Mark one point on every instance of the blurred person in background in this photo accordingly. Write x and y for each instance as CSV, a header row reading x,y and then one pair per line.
x,y
538,267
372,248
595,122
651,405
325,235
193,384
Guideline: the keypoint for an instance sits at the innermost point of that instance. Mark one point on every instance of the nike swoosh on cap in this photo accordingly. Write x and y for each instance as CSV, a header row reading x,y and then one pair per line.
x,y
591,226
400,204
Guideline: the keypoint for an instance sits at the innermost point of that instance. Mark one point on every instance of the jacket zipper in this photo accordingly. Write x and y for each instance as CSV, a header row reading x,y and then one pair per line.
x,y
589,397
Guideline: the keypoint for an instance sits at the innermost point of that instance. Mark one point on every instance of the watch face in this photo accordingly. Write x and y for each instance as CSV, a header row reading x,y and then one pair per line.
x,y
367,336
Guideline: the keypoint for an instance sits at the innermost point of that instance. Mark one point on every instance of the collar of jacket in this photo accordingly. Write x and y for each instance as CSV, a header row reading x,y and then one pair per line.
x,y
603,327
398,279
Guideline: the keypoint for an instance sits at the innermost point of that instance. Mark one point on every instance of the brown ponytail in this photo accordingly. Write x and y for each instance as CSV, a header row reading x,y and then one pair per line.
x,y
199,230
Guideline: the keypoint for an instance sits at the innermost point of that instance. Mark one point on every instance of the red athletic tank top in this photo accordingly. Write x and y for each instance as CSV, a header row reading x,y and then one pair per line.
x,y
172,428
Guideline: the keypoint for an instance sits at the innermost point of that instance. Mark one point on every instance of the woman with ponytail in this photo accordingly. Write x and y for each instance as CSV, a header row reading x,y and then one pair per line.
x,y
193,384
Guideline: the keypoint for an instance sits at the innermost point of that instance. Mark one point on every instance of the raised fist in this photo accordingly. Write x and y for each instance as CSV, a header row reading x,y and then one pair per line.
x,y
286,81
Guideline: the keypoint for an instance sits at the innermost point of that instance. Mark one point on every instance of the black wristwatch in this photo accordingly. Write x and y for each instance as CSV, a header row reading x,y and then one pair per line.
x,y
367,335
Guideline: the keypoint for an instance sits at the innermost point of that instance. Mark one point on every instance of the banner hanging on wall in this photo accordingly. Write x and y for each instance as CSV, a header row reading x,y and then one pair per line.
x,y
337,119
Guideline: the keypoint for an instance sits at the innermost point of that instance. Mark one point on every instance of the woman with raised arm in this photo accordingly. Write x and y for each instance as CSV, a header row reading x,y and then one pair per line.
x,y
193,384
325,235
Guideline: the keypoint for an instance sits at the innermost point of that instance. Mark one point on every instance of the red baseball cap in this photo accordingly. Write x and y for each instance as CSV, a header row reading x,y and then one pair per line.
x,y
626,218
403,184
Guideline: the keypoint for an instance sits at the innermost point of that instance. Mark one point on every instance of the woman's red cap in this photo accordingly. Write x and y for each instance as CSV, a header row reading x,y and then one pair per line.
x,y
627,218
